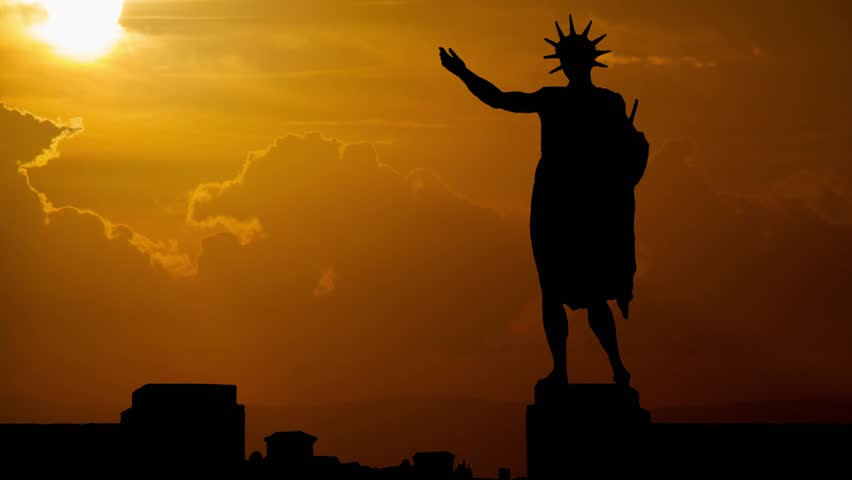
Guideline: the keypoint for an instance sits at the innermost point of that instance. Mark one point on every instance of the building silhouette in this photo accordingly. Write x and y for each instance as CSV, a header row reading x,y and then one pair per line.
x,y
291,453
198,430
188,427
434,465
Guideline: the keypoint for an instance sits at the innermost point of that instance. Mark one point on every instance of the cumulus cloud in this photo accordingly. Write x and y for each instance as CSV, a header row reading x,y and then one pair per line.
x,y
164,254
408,254
81,300
357,265
245,230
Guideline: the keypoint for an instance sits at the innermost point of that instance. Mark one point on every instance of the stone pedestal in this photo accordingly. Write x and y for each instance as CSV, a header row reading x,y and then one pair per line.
x,y
585,431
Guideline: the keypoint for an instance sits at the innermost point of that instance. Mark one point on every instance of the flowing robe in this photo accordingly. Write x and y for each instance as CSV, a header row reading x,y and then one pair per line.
x,y
582,206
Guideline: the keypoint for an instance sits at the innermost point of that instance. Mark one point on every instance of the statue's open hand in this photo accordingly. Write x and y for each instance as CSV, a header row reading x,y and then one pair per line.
x,y
451,61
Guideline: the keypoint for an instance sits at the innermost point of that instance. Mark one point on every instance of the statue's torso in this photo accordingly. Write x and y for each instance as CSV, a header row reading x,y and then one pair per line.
x,y
581,219
585,157
579,127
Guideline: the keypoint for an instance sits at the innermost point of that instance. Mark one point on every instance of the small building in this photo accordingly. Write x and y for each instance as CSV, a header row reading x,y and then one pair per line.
x,y
325,467
504,474
434,465
290,452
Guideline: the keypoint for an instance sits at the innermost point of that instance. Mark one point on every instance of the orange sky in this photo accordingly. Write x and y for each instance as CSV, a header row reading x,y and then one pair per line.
x,y
376,242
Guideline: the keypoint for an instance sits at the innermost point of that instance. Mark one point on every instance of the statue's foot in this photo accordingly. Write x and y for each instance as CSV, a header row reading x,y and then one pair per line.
x,y
551,390
553,380
621,377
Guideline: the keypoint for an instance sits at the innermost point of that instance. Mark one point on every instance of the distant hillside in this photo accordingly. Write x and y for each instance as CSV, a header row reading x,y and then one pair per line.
x,y
815,410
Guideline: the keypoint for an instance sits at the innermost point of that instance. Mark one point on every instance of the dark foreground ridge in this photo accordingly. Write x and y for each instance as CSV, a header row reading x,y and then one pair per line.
x,y
575,431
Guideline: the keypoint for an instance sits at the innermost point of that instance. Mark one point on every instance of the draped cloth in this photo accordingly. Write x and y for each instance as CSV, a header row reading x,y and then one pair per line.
x,y
583,203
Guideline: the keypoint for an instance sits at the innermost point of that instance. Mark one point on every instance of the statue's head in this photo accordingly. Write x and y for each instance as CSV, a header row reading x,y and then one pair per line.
x,y
576,53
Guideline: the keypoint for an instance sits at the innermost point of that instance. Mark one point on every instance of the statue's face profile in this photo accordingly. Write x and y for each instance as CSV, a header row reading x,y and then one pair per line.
x,y
575,70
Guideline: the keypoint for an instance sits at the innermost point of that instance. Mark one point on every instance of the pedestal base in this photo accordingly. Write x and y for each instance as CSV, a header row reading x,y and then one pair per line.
x,y
580,430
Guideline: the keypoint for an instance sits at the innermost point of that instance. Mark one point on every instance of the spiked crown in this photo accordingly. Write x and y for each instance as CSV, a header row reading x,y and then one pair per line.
x,y
576,50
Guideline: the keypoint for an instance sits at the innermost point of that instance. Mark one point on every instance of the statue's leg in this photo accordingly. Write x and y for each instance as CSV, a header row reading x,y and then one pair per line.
x,y
603,324
556,331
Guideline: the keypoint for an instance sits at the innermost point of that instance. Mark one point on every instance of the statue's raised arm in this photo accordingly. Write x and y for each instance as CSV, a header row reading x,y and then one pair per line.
x,y
518,102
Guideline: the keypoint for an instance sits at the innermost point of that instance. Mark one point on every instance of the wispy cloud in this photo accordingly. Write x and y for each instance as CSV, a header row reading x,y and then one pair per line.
x,y
367,122
20,11
687,60
660,61
326,283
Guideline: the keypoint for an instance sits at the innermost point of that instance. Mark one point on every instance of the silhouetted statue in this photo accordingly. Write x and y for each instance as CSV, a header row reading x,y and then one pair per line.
x,y
582,208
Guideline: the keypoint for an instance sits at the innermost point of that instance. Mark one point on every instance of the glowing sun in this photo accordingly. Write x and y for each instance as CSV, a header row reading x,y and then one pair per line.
x,y
80,29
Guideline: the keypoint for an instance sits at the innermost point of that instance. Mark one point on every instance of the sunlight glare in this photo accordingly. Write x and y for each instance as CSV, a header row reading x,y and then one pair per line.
x,y
80,29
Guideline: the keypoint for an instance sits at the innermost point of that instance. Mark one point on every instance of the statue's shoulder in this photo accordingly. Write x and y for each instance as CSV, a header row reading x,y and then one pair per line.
x,y
549,91
611,96
549,98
